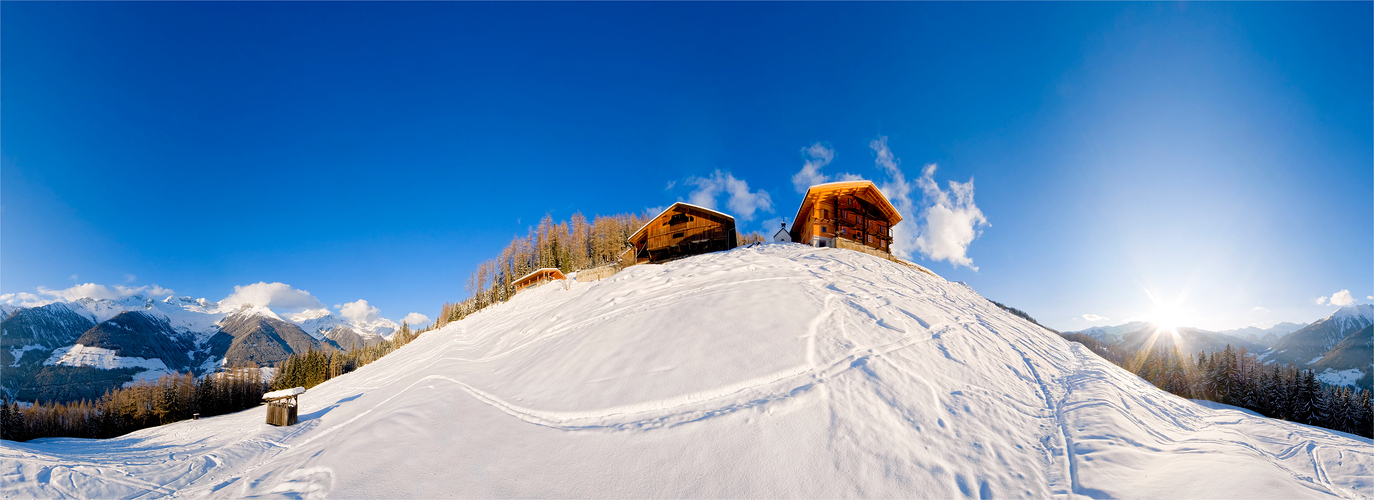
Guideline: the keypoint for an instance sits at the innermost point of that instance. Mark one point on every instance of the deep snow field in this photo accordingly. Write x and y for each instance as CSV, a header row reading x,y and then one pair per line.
x,y
771,371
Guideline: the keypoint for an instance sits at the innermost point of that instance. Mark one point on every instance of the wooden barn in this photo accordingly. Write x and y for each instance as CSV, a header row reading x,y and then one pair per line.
x,y
681,230
538,277
842,213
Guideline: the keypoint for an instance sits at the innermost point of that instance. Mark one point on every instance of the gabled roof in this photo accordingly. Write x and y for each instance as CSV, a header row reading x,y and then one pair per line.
x,y
670,209
817,190
781,230
555,270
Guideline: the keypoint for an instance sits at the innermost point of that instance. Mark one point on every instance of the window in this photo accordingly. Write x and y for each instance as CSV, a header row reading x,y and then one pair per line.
x,y
679,219
677,235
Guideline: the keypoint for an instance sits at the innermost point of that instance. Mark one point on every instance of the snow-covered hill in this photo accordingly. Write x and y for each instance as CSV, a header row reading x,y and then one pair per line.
x,y
771,371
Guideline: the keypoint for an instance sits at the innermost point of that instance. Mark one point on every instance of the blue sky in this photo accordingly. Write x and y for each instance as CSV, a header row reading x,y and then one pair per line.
x,y
1215,156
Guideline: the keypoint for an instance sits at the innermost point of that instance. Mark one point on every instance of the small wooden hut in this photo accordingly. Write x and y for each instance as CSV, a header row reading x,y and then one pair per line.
x,y
843,213
682,230
538,277
281,405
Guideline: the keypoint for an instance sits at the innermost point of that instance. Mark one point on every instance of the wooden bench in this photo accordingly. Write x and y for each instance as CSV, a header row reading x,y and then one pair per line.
x,y
281,405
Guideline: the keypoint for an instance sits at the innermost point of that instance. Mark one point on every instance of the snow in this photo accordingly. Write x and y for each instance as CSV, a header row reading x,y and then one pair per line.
x,y
99,357
284,393
318,324
18,352
1316,359
105,359
770,371
1357,314
200,318
1342,377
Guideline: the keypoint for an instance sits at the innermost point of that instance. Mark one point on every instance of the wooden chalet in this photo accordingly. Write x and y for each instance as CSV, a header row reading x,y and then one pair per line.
x,y
848,212
538,277
682,230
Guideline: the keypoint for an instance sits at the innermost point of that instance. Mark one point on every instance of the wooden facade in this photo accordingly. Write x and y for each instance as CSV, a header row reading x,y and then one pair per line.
x,y
855,211
682,230
538,277
281,406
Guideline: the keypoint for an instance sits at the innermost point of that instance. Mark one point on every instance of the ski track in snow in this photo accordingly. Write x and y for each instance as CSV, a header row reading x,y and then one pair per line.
x,y
777,370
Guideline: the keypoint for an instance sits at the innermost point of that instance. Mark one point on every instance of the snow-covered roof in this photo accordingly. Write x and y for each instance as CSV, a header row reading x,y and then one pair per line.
x,y
542,270
670,209
807,200
284,393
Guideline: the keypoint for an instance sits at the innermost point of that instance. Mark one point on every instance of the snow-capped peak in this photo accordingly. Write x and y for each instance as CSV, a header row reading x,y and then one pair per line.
x,y
1359,313
319,322
255,310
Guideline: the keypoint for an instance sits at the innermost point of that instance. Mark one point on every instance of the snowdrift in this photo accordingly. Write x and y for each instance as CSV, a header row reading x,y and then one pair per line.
x,y
771,371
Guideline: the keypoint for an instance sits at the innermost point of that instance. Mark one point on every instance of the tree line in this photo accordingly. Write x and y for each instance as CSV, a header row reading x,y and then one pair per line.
x,y
182,396
144,404
568,246
1238,378
311,368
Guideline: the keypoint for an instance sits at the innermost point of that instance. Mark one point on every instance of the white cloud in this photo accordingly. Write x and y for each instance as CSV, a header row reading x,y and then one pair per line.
x,y
94,291
83,291
1342,298
129,278
277,296
1094,317
359,312
740,200
817,156
24,299
1260,309
416,319
1370,297
1321,300
898,191
72,277
670,185
772,225
948,220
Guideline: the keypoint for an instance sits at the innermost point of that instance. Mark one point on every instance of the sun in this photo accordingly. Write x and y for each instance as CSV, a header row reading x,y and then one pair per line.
x,y
1168,315
1167,320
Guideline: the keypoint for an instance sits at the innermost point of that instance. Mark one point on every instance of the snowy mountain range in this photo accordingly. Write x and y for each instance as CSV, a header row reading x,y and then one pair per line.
x,y
45,349
1334,346
1337,347
774,371
1264,336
